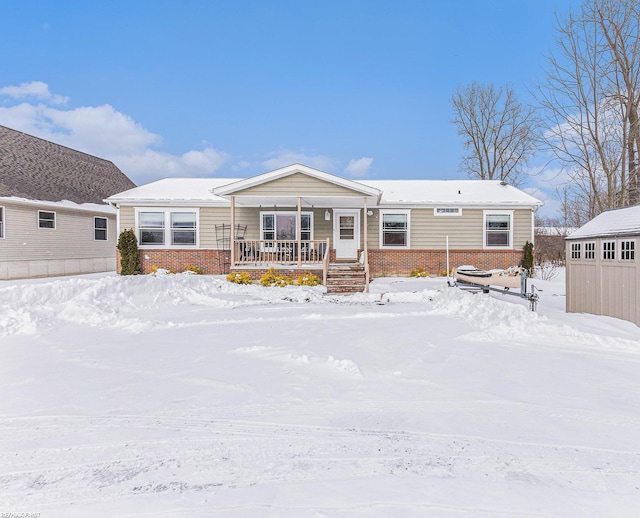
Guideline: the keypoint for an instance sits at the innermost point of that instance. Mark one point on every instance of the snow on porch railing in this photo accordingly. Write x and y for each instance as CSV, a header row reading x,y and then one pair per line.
x,y
262,252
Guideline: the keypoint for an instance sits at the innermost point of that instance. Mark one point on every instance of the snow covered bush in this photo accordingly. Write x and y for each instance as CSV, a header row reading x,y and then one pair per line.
x,y
128,248
419,272
308,280
239,278
193,269
273,278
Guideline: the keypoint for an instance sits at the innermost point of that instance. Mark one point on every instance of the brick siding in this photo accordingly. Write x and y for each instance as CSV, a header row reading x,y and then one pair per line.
x,y
381,262
210,262
384,263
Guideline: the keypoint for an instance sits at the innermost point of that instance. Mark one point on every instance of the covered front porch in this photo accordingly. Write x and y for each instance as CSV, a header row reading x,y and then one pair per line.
x,y
298,218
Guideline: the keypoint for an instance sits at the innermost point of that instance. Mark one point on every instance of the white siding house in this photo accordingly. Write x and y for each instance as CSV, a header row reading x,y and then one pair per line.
x,y
52,217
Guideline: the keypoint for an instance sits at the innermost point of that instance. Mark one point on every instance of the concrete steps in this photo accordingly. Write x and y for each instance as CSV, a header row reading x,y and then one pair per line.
x,y
345,278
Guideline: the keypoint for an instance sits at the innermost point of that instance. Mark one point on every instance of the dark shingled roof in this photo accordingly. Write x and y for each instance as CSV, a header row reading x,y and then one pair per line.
x,y
37,169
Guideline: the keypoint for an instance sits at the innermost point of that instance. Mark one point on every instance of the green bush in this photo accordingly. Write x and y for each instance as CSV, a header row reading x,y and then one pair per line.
x,y
527,260
129,258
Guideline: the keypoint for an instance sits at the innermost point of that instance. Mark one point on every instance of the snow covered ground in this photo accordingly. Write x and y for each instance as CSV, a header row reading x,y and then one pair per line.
x,y
186,396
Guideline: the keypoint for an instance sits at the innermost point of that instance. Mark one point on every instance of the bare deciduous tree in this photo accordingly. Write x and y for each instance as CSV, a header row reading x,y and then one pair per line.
x,y
590,99
499,132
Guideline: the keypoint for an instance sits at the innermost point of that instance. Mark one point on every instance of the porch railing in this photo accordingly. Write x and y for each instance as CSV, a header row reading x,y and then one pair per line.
x,y
261,252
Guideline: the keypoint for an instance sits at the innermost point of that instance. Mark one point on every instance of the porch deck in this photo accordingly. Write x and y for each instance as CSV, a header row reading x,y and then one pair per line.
x,y
301,254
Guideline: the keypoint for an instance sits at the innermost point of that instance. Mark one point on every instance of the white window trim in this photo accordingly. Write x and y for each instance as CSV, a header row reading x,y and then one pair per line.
x,y
594,251
167,226
55,219
380,235
458,211
3,222
486,213
620,250
576,249
615,251
284,212
106,228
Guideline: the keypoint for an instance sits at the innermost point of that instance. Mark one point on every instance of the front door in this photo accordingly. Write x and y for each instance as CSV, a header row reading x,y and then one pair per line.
x,y
346,233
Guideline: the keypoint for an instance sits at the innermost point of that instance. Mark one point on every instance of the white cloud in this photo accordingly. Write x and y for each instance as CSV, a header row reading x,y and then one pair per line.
x,y
104,132
360,167
286,157
35,89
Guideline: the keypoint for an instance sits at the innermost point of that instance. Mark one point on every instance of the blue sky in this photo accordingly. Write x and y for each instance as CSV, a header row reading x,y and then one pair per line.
x,y
234,88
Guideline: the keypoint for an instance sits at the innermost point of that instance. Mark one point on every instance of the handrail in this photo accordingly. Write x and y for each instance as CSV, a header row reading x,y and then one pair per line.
x,y
291,252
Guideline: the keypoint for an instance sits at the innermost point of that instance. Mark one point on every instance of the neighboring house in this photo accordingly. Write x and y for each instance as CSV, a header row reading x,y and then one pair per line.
x,y
603,274
53,220
298,218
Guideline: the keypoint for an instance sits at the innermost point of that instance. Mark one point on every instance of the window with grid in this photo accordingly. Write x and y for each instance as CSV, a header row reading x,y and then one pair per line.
x,y
628,250
590,250
1,222
608,250
447,211
576,248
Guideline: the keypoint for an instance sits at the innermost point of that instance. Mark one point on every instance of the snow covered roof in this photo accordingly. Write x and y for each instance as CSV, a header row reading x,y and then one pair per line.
x,y
185,191
182,191
614,222
94,208
453,192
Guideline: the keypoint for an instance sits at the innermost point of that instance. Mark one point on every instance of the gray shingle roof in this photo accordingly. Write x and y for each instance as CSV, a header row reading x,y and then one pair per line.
x,y
37,169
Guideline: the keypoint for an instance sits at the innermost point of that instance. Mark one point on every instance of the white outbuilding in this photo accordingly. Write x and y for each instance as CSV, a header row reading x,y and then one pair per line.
x,y
603,275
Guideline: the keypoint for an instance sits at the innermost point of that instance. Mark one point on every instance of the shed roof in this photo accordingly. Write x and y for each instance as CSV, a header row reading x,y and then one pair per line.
x,y
614,222
37,169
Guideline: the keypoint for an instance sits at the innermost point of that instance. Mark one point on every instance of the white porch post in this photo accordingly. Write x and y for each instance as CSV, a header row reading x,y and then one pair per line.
x,y
299,232
232,238
366,246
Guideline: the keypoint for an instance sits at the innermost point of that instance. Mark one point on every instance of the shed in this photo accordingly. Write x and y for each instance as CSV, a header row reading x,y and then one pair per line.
x,y
602,268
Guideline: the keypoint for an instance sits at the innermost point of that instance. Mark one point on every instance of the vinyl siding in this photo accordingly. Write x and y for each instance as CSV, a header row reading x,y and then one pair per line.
x,y
603,287
428,232
297,184
72,237
127,218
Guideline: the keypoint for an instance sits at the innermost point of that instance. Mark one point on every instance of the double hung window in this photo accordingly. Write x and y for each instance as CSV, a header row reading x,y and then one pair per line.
x,y
167,228
498,228
394,229
99,228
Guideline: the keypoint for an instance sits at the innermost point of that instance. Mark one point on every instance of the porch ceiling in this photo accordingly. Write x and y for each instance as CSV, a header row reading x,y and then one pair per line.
x,y
327,202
